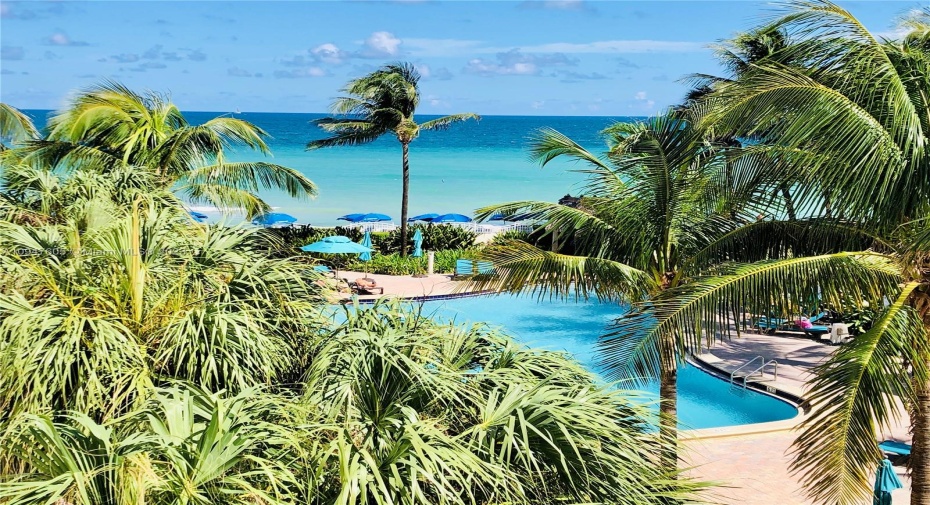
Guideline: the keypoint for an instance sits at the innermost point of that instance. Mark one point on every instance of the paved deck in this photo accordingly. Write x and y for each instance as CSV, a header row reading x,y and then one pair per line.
x,y
749,468
756,466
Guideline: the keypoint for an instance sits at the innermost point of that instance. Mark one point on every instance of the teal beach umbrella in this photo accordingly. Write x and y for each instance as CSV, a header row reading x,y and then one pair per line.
x,y
336,244
366,241
886,481
417,244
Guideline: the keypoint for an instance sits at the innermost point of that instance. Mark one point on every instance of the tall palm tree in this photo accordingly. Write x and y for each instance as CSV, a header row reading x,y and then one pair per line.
x,y
851,117
662,208
109,125
382,102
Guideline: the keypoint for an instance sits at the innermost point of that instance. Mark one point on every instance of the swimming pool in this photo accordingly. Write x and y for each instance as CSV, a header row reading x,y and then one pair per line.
x,y
704,401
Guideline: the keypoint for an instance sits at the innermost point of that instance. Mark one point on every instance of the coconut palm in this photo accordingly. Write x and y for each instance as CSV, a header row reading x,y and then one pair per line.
x,y
849,117
14,125
662,208
382,102
110,126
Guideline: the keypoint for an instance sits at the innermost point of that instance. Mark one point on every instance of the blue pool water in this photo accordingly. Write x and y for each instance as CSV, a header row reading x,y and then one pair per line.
x,y
704,401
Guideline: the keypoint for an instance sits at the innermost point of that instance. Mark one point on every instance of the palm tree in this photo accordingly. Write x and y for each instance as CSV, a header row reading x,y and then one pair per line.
x,y
97,311
849,117
15,125
109,126
396,409
487,420
381,102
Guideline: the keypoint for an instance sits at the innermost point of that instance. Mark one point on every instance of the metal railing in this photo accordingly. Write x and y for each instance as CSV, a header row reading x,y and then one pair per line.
x,y
759,370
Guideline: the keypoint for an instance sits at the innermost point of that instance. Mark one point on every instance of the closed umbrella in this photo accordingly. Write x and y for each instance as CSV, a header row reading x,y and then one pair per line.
x,y
417,244
366,256
273,218
199,216
452,218
336,244
886,481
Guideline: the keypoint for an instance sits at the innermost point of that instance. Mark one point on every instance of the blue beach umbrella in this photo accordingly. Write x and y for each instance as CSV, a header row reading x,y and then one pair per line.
x,y
496,217
886,481
199,216
366,241
452,218
371,217
352,218
374,217
336,244
423,217
417,244
273,218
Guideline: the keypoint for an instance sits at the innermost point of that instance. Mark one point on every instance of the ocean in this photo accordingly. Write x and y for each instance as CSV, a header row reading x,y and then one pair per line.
x,y
470,165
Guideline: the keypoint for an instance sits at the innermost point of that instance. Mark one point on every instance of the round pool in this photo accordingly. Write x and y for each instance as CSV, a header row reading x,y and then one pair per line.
x,y
704,401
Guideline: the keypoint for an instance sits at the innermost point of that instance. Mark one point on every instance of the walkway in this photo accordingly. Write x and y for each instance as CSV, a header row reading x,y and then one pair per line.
x,y
749,468
756,466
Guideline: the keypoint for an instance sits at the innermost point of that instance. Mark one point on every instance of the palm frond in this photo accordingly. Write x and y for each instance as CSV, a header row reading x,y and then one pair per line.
x,y
855,395
445,122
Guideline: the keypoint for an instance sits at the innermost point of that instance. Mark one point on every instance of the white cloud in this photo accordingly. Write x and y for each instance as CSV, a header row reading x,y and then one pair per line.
x,y
329,53
617,46
538,104
640,95
382,44
60,38
515,62
443,47
300,72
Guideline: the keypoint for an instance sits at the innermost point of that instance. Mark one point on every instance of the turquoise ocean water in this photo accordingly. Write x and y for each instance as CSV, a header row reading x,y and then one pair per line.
x,y
472,164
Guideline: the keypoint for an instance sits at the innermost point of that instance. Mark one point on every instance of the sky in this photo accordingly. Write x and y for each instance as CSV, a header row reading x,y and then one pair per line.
x,y
540,57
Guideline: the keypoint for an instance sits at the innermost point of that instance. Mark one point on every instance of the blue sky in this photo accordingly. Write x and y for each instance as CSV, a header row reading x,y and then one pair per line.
x,y
561,57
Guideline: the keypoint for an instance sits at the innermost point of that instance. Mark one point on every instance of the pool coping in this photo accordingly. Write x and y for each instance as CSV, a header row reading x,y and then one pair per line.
x,y
688,434
752,428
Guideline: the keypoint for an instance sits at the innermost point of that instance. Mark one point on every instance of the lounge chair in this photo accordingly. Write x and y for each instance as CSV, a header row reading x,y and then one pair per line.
x,y
485,267
899,448
467,268
363,286
464,268
325,270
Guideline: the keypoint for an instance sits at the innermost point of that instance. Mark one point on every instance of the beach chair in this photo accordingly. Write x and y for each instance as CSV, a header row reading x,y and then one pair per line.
x,y
367,288
770,324
464,268
325,270
892,447
485,267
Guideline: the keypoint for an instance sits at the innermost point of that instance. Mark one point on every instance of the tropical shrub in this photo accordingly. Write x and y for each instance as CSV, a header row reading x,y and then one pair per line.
x,y
436,237
393,408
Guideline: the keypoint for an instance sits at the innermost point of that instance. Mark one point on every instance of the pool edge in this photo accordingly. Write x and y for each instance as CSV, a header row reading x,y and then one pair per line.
x,y
752,428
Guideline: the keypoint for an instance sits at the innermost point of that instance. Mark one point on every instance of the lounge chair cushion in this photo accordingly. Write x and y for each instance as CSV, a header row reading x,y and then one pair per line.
x,y
895,447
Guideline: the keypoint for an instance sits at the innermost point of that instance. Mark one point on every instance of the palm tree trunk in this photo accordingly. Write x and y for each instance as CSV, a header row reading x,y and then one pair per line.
x,y
668,404
919,461
403,199
789,203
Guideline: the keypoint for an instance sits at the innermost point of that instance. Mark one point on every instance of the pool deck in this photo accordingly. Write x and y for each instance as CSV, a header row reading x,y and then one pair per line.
x,y
750,467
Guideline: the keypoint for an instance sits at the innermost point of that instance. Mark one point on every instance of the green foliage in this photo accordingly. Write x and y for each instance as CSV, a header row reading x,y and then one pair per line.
x,y
436,237
395,264
393,408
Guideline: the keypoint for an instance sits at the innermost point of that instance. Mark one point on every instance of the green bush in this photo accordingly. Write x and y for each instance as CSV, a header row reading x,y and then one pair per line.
x,y
436,237
394,264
